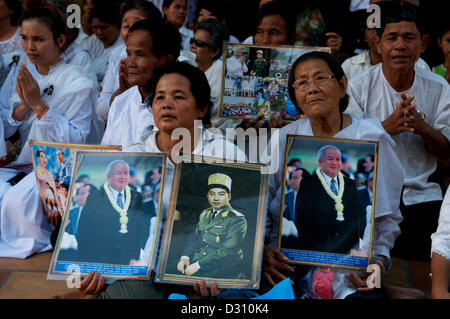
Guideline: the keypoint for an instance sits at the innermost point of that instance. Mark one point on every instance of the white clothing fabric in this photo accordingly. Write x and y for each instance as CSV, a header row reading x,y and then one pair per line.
x,y
235,68
390,176
110,81
356,5
76,54
359,63
10,51
128,119
389,184
100,56
371,96
249,40
82,39
186,35
208,145
440,240
2,140
214,76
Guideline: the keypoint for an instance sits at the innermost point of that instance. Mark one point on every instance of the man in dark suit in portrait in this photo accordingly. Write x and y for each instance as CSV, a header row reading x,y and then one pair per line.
x,y
111,228
329,217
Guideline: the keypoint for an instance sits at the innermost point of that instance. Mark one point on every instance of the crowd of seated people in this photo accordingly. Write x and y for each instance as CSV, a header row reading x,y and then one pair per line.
x,y
132,63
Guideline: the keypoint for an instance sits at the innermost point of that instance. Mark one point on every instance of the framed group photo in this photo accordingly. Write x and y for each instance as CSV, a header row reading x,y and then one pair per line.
x,y
255,80
327,203
215,225
53,165
112,217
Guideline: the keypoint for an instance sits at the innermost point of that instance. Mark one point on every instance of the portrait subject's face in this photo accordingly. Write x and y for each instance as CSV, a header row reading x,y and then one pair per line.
x,y
218,198
42,159
60,156
119,176
400,45
331,162
140,58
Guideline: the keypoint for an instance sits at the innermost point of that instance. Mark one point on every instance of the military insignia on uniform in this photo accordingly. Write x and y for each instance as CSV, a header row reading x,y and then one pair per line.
x,y
217,239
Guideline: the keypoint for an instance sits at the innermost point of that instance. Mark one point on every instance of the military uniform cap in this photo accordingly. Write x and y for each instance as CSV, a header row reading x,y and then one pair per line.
x,y
259,52
219,180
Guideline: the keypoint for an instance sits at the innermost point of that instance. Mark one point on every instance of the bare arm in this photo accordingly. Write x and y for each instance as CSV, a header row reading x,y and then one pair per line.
x,y
440,283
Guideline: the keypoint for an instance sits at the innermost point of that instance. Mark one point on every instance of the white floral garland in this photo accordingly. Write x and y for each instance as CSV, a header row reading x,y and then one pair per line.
x,y
337,198
122,211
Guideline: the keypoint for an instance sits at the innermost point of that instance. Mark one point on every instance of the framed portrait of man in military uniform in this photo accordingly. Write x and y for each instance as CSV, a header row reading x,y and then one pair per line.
x,y
215,224
108,227
327,219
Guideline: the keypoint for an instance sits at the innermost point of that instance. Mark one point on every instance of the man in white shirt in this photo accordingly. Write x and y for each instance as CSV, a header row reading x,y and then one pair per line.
x,y
420,129
148,45
236,66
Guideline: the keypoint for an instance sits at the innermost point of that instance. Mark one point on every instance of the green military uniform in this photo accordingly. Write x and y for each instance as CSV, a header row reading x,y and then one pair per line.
x,y
221,238
260,67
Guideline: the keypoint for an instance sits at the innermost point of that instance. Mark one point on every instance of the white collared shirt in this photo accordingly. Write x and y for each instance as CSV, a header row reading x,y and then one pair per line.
x,y
328,180
116,193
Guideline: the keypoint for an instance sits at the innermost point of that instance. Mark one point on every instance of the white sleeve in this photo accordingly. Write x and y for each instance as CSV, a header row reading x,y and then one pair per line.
x,y
389,183
2,140
58,128
109,86
441,238
7,90
355,106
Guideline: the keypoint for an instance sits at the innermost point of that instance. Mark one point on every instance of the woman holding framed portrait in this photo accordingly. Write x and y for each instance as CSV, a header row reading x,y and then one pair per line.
x,y
181,101
317,86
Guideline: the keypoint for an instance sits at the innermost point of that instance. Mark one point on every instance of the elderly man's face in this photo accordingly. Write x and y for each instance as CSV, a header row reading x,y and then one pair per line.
x,y
400,45
218,198
330,163
119,176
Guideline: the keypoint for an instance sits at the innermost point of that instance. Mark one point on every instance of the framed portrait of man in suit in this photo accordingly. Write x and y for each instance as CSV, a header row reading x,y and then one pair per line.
x,y
108,228
326,218
214,229
53,164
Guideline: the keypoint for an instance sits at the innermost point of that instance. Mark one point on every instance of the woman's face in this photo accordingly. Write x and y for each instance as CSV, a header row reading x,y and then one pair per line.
x,y
174,106
129,18
105,32
39,44
204,54
42,159
318,101
176,13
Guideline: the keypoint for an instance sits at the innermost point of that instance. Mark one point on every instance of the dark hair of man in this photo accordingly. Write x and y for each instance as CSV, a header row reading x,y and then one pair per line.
x,y
167,3
216,8
218,34
305,173
49,15
199,85
281,9
332,63
107,12
148,9
166,40
16,7
394,12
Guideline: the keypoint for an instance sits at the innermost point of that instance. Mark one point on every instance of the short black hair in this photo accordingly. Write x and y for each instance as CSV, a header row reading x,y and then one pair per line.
x,y
150,11
199,85
281,9
332,63
166,38
394,12
218,34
